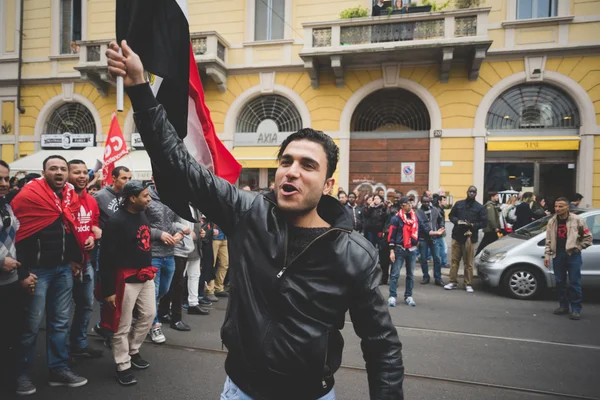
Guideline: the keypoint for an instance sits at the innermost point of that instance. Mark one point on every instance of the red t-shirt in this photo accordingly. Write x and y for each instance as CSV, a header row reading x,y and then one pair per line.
x,y
88,215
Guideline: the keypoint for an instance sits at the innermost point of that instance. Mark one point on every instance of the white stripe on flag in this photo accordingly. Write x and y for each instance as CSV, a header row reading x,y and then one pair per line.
x,y
194,140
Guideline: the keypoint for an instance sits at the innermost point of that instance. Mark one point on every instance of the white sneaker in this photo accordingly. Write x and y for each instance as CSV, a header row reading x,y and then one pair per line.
x,y
451,286
392,302
410,302
157,336
469,289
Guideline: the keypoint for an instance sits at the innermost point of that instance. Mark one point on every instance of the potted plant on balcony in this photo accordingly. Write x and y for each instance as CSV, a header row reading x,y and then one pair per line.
x,y
354,12
467,3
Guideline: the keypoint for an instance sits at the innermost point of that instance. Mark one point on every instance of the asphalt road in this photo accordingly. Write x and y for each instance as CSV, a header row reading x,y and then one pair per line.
x,y
456,346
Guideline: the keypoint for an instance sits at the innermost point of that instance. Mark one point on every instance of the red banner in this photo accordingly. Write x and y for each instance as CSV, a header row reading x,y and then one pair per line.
x,y
114,149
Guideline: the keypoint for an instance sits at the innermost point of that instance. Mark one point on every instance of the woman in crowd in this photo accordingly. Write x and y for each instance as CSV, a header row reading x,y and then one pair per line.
x,y
528,211
375,216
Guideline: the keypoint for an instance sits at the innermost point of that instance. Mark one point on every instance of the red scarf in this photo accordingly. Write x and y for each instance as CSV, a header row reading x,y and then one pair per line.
x,y
111,316
410,230
37,206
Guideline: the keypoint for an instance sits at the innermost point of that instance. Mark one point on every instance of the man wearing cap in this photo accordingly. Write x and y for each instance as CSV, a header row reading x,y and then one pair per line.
x,y
126,279
468,217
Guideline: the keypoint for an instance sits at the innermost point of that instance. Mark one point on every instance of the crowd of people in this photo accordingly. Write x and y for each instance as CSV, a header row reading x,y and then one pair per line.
x,y
63,248
407,231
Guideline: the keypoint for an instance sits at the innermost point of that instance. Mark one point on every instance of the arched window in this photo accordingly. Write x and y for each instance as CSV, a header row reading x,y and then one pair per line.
x,y
71,118
391,110
269,114
536,106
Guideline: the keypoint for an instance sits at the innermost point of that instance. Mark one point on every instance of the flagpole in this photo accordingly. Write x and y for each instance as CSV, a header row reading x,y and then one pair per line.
x,y
120,91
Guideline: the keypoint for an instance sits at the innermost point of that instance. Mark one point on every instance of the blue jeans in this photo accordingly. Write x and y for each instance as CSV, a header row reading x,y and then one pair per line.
x,y
442,249
563,265
164,276
424,248
53,293
232,392
83,294
402,256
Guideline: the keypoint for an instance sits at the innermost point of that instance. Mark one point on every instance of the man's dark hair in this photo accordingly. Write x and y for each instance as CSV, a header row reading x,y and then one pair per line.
x,y
331,150
577,197
350,194
52,157
425,197
5,165
117,171
492,193
341,192
562,199
75,162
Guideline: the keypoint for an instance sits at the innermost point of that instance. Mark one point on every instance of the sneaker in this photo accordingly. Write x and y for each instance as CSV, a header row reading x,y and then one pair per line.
x,y
440,283
25,386
469,289
221,294
425,281
197,310
138,362
157,335
88,352
211,297
180,326
392,302
575,316
410,302
451,286
65,377
202,301
107,342
561,311
126,378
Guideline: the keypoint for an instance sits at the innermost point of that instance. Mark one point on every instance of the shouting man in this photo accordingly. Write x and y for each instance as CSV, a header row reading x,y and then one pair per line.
x,y
299,265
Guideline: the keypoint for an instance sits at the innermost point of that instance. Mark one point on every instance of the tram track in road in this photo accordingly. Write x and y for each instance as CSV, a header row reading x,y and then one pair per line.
x,y
494,337
461,382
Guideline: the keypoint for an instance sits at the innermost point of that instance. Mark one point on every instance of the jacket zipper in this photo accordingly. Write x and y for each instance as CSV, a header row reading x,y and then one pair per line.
x,y
39,252
323,382
285,267
63,242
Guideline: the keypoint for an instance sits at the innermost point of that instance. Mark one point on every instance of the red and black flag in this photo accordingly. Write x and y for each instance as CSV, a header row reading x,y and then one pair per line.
x,y
158,31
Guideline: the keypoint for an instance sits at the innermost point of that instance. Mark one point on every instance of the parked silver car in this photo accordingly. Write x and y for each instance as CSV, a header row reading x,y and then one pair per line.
x,y
516,262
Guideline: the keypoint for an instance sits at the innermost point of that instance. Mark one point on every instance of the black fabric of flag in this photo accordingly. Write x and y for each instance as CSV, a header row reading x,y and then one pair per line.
x,y
158,31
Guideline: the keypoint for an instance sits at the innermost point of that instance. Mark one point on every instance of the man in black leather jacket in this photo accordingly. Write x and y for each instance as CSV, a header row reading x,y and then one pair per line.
x,y
299,265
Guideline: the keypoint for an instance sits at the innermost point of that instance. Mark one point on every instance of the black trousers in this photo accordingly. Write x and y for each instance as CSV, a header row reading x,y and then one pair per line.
x,y
488,237
384,260
11,315
173,300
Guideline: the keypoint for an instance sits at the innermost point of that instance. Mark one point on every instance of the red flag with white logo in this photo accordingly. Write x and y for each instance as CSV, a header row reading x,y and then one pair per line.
x,y
114,149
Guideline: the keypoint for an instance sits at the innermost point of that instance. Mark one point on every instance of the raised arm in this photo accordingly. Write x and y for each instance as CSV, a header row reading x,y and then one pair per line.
x,y
221,201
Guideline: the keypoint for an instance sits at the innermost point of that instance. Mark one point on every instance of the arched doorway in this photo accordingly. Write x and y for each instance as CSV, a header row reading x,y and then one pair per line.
x,y
70,125
532,142
262,122
390,127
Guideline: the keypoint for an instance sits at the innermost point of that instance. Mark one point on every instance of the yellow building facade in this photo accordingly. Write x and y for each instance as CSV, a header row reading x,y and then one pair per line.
x,y
504,95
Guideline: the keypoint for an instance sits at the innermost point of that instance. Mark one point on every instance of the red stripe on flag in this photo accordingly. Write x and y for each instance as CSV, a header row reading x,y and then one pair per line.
x,y
224,164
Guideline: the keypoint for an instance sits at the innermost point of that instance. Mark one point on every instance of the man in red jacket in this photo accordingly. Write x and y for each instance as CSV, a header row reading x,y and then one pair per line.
x,y
83,286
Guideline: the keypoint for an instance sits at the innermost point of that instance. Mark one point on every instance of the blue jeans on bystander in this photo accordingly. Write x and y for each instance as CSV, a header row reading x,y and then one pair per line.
x,y
568,265
164,276
83,294
410,258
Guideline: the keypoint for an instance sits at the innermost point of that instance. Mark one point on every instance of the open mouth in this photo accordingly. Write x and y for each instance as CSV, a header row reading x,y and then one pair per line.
x,y
288,189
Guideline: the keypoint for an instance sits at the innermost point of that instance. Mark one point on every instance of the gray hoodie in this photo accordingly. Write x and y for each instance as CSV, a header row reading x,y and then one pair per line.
x,y
162,219
108,203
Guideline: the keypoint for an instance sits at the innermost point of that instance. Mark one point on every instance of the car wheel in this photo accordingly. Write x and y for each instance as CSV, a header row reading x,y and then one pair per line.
x,y
523,282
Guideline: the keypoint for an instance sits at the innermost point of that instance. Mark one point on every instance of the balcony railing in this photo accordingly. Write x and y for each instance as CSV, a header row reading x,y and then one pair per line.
x,y
210,51
364,40
397,28
92,63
